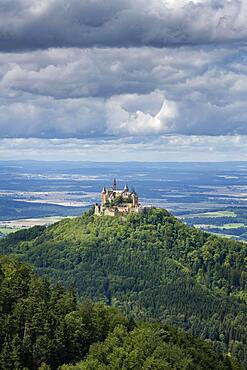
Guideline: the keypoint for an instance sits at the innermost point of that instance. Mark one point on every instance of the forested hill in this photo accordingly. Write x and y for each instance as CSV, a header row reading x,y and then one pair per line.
x,y
45,328
151,266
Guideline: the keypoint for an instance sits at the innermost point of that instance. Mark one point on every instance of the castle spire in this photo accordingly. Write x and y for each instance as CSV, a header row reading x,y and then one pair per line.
x,y
126,188
114,187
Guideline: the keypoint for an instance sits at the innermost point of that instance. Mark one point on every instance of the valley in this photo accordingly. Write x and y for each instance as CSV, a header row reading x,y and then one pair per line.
x,y
211,196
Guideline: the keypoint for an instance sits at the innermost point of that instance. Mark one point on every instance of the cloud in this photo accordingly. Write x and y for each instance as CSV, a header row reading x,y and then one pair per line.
x,y
163,148
41,24
67,93
159,78
45,117
124,120
75,73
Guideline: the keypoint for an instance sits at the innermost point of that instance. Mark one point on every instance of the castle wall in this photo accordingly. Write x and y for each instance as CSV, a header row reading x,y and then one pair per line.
x,y
110,212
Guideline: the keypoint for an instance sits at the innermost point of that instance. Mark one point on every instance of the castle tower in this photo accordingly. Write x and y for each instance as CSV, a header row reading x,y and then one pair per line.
x,y
135,199
126,188
114,187
104,197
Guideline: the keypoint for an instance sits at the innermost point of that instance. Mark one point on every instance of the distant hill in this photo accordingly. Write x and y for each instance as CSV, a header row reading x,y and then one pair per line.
x,y
152,267
43,328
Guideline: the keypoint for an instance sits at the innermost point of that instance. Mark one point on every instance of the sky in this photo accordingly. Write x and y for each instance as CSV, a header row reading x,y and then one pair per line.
x,y
105,80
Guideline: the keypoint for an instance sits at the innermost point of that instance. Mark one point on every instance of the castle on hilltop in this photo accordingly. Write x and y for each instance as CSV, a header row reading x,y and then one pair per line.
x,y
116,202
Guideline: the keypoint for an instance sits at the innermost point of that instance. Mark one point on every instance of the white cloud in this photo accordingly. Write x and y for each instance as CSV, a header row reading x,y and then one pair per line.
x,y
163,148
122,122
47,117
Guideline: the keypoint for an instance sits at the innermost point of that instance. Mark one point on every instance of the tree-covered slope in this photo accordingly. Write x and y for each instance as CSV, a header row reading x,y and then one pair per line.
x,y
150,346
150,265
43,328
40,324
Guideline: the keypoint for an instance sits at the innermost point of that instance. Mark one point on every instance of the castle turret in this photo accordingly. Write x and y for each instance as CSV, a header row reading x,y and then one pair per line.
x,y
104,196
135,199
114,187
126,188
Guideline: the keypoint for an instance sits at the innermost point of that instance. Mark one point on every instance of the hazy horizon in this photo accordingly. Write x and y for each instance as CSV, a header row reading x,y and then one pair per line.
x,y
119,161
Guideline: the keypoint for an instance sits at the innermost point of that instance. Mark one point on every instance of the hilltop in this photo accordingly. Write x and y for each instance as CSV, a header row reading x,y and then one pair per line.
x,y
149,265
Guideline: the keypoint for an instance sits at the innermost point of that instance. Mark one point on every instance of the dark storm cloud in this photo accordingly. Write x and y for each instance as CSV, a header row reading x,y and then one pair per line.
x,y
34,24
75,73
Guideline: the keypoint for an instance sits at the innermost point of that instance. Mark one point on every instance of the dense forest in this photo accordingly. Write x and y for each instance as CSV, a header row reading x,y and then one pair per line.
x,y
44,327
152,267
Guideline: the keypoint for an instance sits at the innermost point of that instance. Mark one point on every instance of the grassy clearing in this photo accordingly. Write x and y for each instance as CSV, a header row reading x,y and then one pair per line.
x,y
232,226
213,214
222,227
228,236
8,230
218,214
11,226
